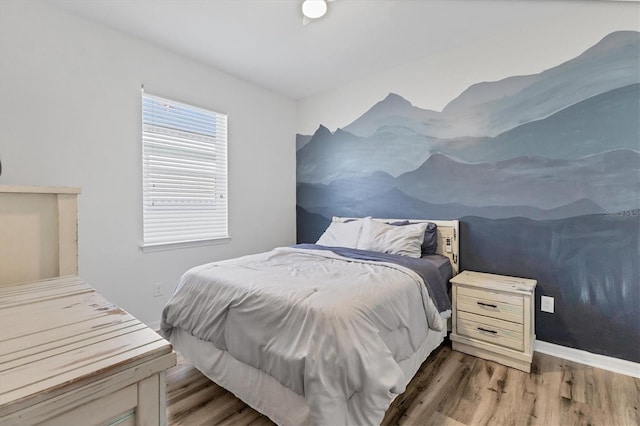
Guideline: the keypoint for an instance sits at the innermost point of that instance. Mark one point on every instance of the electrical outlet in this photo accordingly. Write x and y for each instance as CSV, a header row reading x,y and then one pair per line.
x,y
546,304
447,245
157,290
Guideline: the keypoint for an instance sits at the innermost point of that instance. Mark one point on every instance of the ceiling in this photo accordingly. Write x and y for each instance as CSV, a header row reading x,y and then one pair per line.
x,y
266,43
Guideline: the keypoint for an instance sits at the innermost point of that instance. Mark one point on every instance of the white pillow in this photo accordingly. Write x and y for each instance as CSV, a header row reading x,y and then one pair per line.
x,y
404,240
341,234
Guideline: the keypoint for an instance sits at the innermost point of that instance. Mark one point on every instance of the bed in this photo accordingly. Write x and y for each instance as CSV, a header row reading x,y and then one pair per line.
x,y
326,333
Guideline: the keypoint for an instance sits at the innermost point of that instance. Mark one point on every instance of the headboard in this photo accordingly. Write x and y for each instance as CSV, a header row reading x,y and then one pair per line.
x,y
448,231
38,232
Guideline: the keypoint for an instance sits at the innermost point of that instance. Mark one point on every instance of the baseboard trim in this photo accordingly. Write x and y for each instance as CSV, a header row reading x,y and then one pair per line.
x,y
616,365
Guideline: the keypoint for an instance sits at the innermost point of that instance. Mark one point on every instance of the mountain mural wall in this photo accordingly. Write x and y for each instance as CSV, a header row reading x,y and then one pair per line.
x,y
542,170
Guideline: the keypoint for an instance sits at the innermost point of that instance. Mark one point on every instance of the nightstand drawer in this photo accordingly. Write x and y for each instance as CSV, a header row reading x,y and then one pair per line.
x,y
510,299
503,333
485,304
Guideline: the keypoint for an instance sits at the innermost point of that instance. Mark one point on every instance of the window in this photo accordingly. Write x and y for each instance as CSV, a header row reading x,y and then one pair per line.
x,y
184,173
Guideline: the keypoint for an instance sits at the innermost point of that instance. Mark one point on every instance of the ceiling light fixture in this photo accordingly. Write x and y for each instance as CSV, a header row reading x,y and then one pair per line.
x,y
314,9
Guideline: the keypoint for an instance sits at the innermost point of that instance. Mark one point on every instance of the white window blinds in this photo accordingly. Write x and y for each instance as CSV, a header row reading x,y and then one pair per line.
x,y
184,172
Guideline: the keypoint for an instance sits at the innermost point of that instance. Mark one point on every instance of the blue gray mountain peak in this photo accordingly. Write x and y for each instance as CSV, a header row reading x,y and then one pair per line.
x,y
491,108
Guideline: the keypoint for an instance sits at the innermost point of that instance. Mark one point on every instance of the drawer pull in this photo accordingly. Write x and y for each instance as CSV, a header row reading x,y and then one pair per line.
x,y
487,331
489,305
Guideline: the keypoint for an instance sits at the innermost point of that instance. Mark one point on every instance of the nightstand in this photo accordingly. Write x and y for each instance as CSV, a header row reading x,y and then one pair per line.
x,y
494,318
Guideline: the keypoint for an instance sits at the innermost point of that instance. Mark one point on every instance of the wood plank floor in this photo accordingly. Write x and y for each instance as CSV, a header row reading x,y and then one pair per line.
x,y
450,388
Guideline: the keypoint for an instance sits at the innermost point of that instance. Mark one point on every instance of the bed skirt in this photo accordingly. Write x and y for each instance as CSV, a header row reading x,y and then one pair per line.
x,y
261,391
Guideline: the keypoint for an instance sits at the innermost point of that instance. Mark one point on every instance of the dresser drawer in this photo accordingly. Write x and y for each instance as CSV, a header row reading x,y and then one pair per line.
x,y
118,405
499,332
504,307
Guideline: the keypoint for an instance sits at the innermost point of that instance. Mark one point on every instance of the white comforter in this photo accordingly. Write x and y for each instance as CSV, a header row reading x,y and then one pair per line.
x,y
331,329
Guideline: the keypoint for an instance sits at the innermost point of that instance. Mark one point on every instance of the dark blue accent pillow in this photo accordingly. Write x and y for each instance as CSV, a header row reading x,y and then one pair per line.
x,y
430,243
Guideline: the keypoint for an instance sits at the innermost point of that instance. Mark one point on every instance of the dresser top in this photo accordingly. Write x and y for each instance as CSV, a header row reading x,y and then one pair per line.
x,y
495,282
60,332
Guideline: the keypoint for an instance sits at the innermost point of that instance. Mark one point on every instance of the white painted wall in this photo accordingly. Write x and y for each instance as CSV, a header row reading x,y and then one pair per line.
x,y
555,32
70,115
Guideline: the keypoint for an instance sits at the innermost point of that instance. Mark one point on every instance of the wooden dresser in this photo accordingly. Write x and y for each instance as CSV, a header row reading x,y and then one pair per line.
x,y
493,318
69,357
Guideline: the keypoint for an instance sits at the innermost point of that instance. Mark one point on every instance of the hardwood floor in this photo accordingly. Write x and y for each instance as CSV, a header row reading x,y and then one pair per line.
x,y
450,388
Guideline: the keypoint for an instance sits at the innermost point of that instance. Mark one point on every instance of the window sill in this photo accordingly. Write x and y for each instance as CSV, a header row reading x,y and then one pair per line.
x,y
150,248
